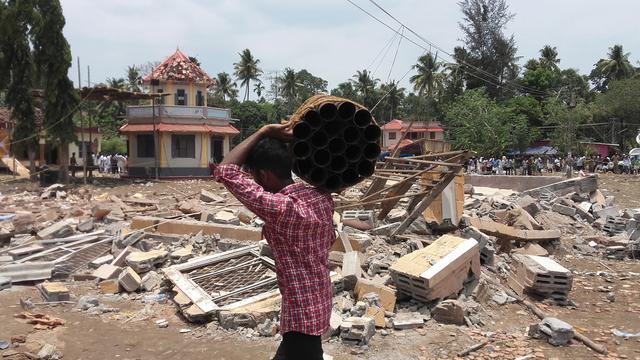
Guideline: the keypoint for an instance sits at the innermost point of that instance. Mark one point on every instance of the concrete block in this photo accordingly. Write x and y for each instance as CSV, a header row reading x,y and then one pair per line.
x,y
564,210
449,312
150,281
387,295
143,261
31,271
120,259
24,251
366,216
58,230
107,271
606,212
334,326
99,211
559,333
403,321
208,196
86,226
529,205
96,263
351,270
358,330
580,185
182,254
109,286
502,231
439,270
542,275
5,282
54,291
129,279
23,222
226,217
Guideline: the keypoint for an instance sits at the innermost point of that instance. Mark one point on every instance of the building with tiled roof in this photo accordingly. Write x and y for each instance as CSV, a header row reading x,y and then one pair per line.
x,y
179,134
393,131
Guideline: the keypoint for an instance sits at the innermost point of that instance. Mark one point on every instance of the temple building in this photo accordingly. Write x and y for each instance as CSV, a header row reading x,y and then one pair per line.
x,y
190,135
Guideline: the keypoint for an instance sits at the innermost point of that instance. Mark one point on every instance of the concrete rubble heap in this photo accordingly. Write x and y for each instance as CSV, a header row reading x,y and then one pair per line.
x,y
445,253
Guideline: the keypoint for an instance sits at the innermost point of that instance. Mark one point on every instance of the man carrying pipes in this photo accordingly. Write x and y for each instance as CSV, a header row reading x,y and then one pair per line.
x,y
299,229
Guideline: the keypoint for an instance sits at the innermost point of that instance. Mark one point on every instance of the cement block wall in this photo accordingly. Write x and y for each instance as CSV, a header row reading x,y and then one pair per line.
x,y
511,182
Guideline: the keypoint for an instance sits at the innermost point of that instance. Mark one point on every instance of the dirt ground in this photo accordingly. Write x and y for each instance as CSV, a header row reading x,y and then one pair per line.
x,y
132,333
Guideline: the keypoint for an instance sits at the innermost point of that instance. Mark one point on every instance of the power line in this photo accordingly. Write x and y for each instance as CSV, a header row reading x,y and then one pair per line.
x,y
514,85
395,56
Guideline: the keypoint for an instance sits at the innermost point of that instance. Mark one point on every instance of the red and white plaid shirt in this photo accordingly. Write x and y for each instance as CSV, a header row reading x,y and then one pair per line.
x,y
299,229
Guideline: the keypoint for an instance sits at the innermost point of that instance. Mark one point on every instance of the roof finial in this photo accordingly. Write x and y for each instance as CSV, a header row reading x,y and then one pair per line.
x,y
177,47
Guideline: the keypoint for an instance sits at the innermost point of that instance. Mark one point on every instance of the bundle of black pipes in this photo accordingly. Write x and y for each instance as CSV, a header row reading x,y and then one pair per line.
x,y
336,144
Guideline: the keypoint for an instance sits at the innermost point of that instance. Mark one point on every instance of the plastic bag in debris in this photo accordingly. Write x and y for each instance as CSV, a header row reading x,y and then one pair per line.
x,y
624,334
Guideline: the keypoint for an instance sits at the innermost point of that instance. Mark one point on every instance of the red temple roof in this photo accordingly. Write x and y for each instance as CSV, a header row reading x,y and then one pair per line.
x,y
178,67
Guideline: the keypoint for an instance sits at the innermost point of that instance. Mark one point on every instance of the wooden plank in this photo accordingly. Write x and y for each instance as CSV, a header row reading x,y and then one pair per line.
x,y
194,292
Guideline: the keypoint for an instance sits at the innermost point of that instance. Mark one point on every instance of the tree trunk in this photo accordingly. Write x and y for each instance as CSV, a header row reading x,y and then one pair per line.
x,y
31,154
63,159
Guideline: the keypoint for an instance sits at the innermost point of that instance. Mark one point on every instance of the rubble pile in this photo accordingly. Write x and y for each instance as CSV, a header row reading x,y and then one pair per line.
x,y
399,265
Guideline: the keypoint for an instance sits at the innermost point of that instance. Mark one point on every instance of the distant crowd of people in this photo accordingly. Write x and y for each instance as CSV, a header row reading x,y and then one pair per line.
x,y
537,165
115,163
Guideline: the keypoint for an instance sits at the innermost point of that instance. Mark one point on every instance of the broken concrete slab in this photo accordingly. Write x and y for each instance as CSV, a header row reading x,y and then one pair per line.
x,y
193,227
226,217
96,263
351,270
151,281
54,291
387,295
144,222
208,196
564,210
143,261
109,286
129,279
182,254
23,222
412,320
531,248
24,251
120,259
422,274
606,212
30,271
502,231
529,204
85,226
107,271
449,312
334,326
100,210
557,332
580,185
58,230
5,282
358,330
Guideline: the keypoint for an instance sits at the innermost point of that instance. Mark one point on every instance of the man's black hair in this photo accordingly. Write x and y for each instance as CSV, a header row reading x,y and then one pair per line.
x,y
270,154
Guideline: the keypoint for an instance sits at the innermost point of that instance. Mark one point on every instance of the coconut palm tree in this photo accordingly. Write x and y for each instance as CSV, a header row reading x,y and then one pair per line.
x,y
549,58
393,99
225,87
617,66
133,76
365,85
429,78
117,83
289,84
258,88
247,70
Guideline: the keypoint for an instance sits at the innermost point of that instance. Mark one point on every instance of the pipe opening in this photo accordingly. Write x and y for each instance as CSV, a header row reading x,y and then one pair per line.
x,y
303,167
301,149
351,135
366,168
346,110
353,153
362,118
321,158
328,111
302,130
337,146
319,139
350,176
318,176
371,151
313,118
333,127
372,133
333,183
339,164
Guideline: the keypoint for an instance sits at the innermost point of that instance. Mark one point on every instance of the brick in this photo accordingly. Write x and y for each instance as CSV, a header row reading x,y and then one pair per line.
x,y
439,270
109,286
129,279
387,295
208,196
54,291
564,210
107,271
351,270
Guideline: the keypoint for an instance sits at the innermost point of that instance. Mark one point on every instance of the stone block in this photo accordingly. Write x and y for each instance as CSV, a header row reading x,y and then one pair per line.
x,y
529,205
208,196
410,320
129,279
358,330
99,211
449,312
86,225
387,295
226,217
107,271
54,291
151,281
120,259
143,261
564,210
351,269
558,332
109,286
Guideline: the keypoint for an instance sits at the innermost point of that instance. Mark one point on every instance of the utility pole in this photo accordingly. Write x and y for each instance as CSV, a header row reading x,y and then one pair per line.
x,y
83,149
90,115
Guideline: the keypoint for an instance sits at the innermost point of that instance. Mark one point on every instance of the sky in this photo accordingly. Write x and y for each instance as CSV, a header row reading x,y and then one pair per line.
x,y
330,38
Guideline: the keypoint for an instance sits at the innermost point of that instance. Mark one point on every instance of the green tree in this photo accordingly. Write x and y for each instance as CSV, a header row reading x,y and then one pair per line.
x,y
492,54
428,80
251,116
225,88
549,58
621,106
247,70
393,97
16,20
566,119
309,85
365,86
117,83
52,56
133,76
615,67
454,82
539,80
258,88
289,84
345,90
478,123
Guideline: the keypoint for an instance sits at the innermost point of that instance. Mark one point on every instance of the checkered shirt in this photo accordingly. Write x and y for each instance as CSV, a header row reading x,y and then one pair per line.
x,y
299,229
